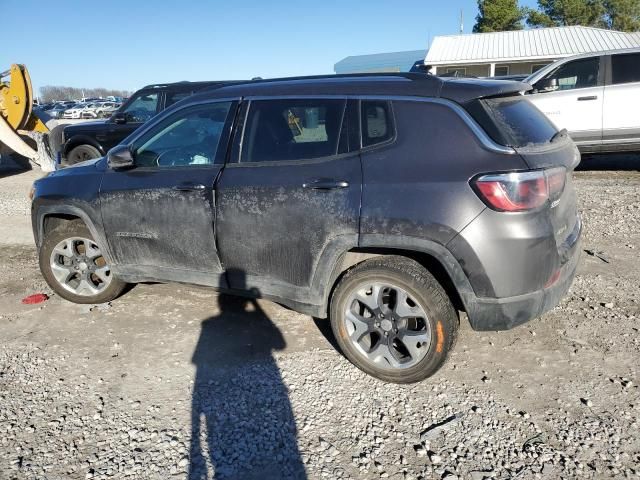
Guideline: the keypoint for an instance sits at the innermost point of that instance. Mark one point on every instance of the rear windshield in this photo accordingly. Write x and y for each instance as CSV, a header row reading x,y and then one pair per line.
x,y
512,121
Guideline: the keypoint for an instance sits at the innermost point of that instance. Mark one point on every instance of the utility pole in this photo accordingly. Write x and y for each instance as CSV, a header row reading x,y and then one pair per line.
x,y
461,20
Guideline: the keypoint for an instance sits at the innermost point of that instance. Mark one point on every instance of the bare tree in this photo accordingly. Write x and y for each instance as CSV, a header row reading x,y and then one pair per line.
x,y
52,93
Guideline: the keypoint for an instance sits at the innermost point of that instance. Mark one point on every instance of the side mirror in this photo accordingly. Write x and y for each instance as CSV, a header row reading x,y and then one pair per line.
x,y
547,85
120,158
119,117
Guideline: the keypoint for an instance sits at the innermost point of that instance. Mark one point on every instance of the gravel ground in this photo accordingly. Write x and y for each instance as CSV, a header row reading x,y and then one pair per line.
x,y
175,382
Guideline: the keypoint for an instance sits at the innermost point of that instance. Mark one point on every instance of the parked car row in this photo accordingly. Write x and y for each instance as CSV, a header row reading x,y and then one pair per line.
x,y
92,110
99,108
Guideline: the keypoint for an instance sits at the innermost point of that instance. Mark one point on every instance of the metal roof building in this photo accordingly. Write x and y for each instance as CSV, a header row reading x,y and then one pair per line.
x,y
379,62
520,51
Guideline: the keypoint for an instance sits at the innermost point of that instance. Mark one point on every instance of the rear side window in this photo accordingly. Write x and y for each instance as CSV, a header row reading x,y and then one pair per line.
x,y
174,97
377,126
625,68
141,108
512,121
292,129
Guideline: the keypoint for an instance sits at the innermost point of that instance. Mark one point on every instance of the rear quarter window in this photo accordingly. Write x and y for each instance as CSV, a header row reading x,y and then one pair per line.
x,y
376,121
512,121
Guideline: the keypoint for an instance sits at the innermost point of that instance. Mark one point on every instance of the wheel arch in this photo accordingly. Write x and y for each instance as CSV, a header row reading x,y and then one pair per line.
x,y
434,257
77,140
51,217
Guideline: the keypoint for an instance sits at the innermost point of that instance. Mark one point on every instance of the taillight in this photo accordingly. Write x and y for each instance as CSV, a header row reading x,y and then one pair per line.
x,y
520,191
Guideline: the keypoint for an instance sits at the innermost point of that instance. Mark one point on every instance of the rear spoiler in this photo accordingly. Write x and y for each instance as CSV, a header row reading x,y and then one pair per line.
x,y
462,90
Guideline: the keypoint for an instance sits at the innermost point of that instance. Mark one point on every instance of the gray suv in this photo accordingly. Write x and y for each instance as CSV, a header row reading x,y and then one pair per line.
x,y
387,203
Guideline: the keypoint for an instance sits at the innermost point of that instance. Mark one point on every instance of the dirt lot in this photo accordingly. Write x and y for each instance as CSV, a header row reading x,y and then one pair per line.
x,y
173,381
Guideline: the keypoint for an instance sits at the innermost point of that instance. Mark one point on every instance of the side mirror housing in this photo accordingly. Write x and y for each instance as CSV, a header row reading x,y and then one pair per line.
x,y
547,85
119,117
120,158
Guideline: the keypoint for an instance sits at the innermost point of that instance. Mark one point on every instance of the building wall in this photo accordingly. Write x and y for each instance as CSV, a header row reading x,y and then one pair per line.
x,y
482,70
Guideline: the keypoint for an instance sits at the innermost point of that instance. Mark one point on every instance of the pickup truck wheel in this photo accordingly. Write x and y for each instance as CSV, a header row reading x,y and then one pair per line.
x,y
393,320
74,267
81,153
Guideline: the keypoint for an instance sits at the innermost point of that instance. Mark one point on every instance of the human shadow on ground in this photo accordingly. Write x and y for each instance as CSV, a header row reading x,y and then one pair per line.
x,y
243,425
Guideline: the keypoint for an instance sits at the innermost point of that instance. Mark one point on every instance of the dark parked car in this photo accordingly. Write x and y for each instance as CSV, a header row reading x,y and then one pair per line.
x,y
84,141
384,202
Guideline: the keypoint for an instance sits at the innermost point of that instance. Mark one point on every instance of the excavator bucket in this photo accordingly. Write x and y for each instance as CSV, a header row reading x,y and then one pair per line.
x,y
19,122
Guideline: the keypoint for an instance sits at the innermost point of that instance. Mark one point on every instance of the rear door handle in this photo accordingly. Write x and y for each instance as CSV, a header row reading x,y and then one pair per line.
x,y
585,99
325,184
189,187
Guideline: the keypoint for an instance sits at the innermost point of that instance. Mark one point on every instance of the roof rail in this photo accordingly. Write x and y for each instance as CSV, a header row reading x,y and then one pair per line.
x,y
181,82
407,75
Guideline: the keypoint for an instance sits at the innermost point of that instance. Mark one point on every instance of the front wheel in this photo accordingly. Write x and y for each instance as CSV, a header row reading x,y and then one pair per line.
x,y
81,153
75,268
393,320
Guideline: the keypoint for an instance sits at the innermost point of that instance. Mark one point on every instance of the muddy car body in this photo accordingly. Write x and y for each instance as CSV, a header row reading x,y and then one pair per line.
x,y
385,202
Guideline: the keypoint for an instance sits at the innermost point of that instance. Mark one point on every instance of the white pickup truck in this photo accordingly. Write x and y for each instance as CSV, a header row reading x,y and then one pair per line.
x,y
595,96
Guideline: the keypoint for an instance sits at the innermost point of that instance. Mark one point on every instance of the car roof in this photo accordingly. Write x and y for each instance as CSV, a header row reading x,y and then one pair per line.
x,y
460,90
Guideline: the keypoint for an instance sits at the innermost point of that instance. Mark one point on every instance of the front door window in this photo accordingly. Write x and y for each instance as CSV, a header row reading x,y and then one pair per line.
x,y
577,74
190,137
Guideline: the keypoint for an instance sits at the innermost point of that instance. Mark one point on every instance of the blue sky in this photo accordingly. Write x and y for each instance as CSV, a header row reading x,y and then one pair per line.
x,y
127,44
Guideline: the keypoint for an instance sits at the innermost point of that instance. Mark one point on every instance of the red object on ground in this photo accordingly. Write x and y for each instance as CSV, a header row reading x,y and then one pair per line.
x,y
35,298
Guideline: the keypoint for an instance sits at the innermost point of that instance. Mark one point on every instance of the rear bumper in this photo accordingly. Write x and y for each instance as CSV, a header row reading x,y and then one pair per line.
x,y
508,312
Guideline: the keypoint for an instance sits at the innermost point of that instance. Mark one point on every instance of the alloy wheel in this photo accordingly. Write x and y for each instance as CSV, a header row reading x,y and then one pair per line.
x,y
387,325
79,266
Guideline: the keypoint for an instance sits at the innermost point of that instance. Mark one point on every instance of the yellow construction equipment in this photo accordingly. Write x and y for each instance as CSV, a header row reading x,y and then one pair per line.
x,y
18,122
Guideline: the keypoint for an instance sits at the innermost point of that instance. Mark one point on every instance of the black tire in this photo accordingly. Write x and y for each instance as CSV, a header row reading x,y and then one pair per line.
x,y
63,232
423,290
82,153
55,139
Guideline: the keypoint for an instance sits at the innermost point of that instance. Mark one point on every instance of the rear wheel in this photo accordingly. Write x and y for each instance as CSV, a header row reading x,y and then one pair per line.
x,y
393,320
81,153
75,268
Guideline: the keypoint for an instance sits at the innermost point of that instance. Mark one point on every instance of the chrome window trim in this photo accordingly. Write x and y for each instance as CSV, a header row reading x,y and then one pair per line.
x,y
486,141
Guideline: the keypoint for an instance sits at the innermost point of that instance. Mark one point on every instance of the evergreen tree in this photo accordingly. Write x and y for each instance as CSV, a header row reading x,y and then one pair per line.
x,y
498,16
623,15
559,13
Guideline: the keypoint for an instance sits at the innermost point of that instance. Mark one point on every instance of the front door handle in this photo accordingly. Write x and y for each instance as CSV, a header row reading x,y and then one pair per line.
x,y
189,187
586,99
325,184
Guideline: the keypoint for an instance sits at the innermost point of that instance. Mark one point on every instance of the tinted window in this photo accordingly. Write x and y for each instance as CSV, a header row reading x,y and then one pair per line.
x,y
578,74
625,68
142,108
174,97
376,122
512,121
296,129
190,137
